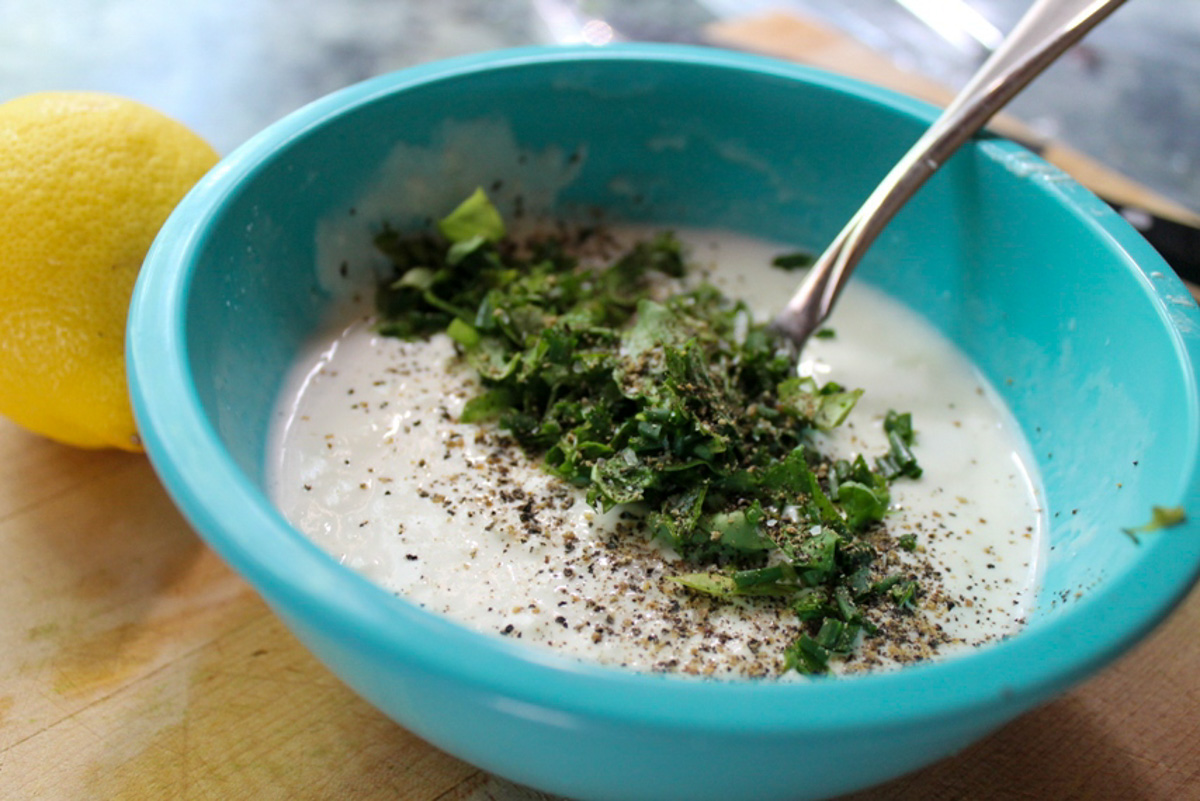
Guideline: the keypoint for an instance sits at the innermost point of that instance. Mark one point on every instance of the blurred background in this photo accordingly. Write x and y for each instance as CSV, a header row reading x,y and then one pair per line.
x,y
1128,97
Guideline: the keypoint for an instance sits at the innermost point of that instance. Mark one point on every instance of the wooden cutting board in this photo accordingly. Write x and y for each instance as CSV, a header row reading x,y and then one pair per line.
x,y
135,665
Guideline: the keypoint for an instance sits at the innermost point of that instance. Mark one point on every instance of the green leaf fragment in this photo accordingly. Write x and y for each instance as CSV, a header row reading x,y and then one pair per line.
x,y
811,603
1161,517
825,407
492,359
621,479
900,425
899,460
797,260
740,530
715,584
684,405
818,553
812,654
488,406
461,250
806,655
475,217
463,333
677,519
416,278
779,580
837,636
655,328
904,594
863,505
834,408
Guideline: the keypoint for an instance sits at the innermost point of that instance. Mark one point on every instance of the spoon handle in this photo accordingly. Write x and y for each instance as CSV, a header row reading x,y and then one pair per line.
x,y
1048,28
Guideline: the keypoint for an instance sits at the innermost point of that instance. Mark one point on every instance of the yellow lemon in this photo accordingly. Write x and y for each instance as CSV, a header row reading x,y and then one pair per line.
x,y
86,181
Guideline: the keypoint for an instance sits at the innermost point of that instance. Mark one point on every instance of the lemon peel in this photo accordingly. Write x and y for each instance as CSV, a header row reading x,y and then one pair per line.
x,y
86,181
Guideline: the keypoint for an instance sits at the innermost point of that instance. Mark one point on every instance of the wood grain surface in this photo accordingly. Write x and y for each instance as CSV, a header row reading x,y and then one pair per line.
x,y
135,665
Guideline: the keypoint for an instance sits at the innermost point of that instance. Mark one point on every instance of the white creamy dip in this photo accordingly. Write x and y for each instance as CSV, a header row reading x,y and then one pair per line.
x,y
370,462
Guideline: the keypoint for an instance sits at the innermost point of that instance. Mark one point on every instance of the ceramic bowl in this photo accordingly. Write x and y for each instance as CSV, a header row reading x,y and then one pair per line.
x,y
1085,332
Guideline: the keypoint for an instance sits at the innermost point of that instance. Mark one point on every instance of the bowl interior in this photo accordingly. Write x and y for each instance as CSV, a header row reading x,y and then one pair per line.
x,y
999,251
1068,313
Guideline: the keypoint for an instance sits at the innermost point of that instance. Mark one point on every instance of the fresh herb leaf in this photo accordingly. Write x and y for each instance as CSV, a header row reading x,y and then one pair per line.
x,y
904,594
716,584
623,478
899,460
806,655
862,504
812,603
485,407
683,406
826,407
812,654
740,530
463,333
474,222
1160,517
797,260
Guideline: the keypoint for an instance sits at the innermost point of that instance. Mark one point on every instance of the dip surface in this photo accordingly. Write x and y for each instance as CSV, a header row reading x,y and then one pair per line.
x,y
368,460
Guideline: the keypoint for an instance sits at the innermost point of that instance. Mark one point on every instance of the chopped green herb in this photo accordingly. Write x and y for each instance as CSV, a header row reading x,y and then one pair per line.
x,y
811,654
1160,517
899,460
681,407
469,226
904,594
797,260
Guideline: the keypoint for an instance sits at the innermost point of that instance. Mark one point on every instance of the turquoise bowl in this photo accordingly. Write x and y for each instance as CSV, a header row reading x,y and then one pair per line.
x,y
1083,329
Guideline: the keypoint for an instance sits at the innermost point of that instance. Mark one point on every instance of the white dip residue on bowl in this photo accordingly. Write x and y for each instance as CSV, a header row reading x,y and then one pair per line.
x,y
370,462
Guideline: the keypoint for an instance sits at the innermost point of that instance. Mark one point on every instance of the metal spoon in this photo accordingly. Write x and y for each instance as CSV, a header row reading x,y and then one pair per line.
x,y
1048,28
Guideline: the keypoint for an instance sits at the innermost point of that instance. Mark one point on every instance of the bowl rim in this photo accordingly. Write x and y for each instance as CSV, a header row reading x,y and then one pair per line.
x,y
238,521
